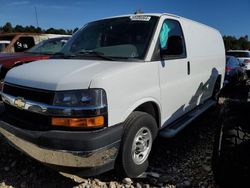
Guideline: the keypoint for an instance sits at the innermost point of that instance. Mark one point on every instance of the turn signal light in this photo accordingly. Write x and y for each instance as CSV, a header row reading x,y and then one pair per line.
x,y
79,122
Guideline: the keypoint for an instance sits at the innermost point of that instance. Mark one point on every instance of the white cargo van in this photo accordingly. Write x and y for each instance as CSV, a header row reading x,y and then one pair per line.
x,y
116,84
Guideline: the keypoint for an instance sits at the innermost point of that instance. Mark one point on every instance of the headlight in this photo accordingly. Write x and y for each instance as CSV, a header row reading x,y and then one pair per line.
x,y
91,104
89,98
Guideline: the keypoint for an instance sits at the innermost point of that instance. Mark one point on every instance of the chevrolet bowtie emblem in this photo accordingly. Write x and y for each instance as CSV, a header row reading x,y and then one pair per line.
x,y
20,102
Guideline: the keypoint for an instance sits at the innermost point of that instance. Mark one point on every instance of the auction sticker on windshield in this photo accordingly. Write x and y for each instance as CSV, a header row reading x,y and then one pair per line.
x,y
140,18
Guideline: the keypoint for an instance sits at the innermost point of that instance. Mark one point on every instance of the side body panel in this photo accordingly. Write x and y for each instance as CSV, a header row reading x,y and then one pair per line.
x,y
206,54
207,57
177,88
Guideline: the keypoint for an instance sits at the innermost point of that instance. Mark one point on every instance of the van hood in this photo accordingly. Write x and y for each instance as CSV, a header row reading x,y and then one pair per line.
x,y
60,74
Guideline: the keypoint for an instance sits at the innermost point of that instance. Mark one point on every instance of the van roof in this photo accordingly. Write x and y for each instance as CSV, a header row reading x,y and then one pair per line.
x,y
145,14
163,14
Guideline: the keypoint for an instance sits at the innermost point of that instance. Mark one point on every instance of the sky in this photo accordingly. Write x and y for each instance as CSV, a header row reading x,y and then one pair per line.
x,y
230,17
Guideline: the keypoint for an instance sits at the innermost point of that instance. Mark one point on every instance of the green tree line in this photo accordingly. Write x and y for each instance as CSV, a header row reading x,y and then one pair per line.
x,y
231,42
8,28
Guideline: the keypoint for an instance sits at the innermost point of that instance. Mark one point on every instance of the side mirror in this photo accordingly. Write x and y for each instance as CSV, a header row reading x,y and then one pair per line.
x,y
174,46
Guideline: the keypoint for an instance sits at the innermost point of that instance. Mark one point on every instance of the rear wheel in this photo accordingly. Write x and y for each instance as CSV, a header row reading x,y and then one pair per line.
x,y
140,131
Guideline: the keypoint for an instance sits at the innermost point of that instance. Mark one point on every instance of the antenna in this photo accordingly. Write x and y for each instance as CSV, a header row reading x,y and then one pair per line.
x,y
36,18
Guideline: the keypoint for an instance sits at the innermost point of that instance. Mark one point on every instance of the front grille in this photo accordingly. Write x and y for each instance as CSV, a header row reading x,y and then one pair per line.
x,y
25,119
32,94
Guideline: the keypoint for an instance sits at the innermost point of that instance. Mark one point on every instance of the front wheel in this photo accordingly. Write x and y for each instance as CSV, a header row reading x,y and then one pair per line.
x,y
139,134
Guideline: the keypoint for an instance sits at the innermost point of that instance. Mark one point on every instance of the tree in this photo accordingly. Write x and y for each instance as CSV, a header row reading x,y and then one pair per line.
x,y
243,43
75,30
39,30
19,28
30,29
56,31
232,43
7,28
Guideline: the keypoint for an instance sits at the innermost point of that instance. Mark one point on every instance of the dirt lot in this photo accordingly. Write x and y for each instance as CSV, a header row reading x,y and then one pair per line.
x,y
184,161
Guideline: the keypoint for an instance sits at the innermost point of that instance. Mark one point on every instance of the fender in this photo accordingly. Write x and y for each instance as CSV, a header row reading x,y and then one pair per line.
x,y
140,102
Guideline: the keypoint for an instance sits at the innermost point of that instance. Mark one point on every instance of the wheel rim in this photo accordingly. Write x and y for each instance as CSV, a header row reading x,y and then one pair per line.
x,y
141,145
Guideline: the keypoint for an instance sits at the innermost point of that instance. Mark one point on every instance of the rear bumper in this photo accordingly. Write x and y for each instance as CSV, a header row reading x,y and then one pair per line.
x,y
94,150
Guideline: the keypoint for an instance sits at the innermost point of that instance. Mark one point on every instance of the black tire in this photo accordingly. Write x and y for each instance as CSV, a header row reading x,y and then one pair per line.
x,y
231,155
136,122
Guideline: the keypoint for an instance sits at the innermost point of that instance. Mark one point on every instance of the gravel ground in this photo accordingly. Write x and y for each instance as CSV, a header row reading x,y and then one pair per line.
x,y
184,161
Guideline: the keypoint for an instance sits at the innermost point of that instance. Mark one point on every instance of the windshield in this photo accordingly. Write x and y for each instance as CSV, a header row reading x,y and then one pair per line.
x,y
117,38
50,46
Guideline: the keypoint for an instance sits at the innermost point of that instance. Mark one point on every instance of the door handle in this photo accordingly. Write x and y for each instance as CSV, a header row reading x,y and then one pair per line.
x,y
188,68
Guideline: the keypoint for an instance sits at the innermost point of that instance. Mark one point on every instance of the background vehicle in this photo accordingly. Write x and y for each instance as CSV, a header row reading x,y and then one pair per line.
x,y
234,71
19,42
118,82
43,50
231,155
243,56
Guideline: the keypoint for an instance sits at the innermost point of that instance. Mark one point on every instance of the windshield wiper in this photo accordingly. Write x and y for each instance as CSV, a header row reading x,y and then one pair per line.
x,y
29,52
38,53
93,53
59,55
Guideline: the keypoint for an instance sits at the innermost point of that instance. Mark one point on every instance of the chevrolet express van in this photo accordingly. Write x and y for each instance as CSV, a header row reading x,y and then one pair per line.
x,y
117,84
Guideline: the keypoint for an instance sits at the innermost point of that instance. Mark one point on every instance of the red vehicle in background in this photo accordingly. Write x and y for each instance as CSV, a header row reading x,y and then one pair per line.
x,y
20,42
43,50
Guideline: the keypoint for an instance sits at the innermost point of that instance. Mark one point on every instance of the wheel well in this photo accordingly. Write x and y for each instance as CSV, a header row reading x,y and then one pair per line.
x,y
152,109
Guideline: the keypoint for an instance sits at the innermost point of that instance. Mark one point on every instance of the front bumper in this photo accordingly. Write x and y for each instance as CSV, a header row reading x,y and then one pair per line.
x,y
64,149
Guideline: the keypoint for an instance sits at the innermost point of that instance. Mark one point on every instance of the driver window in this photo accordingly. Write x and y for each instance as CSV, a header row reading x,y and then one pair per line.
x,y
171,40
